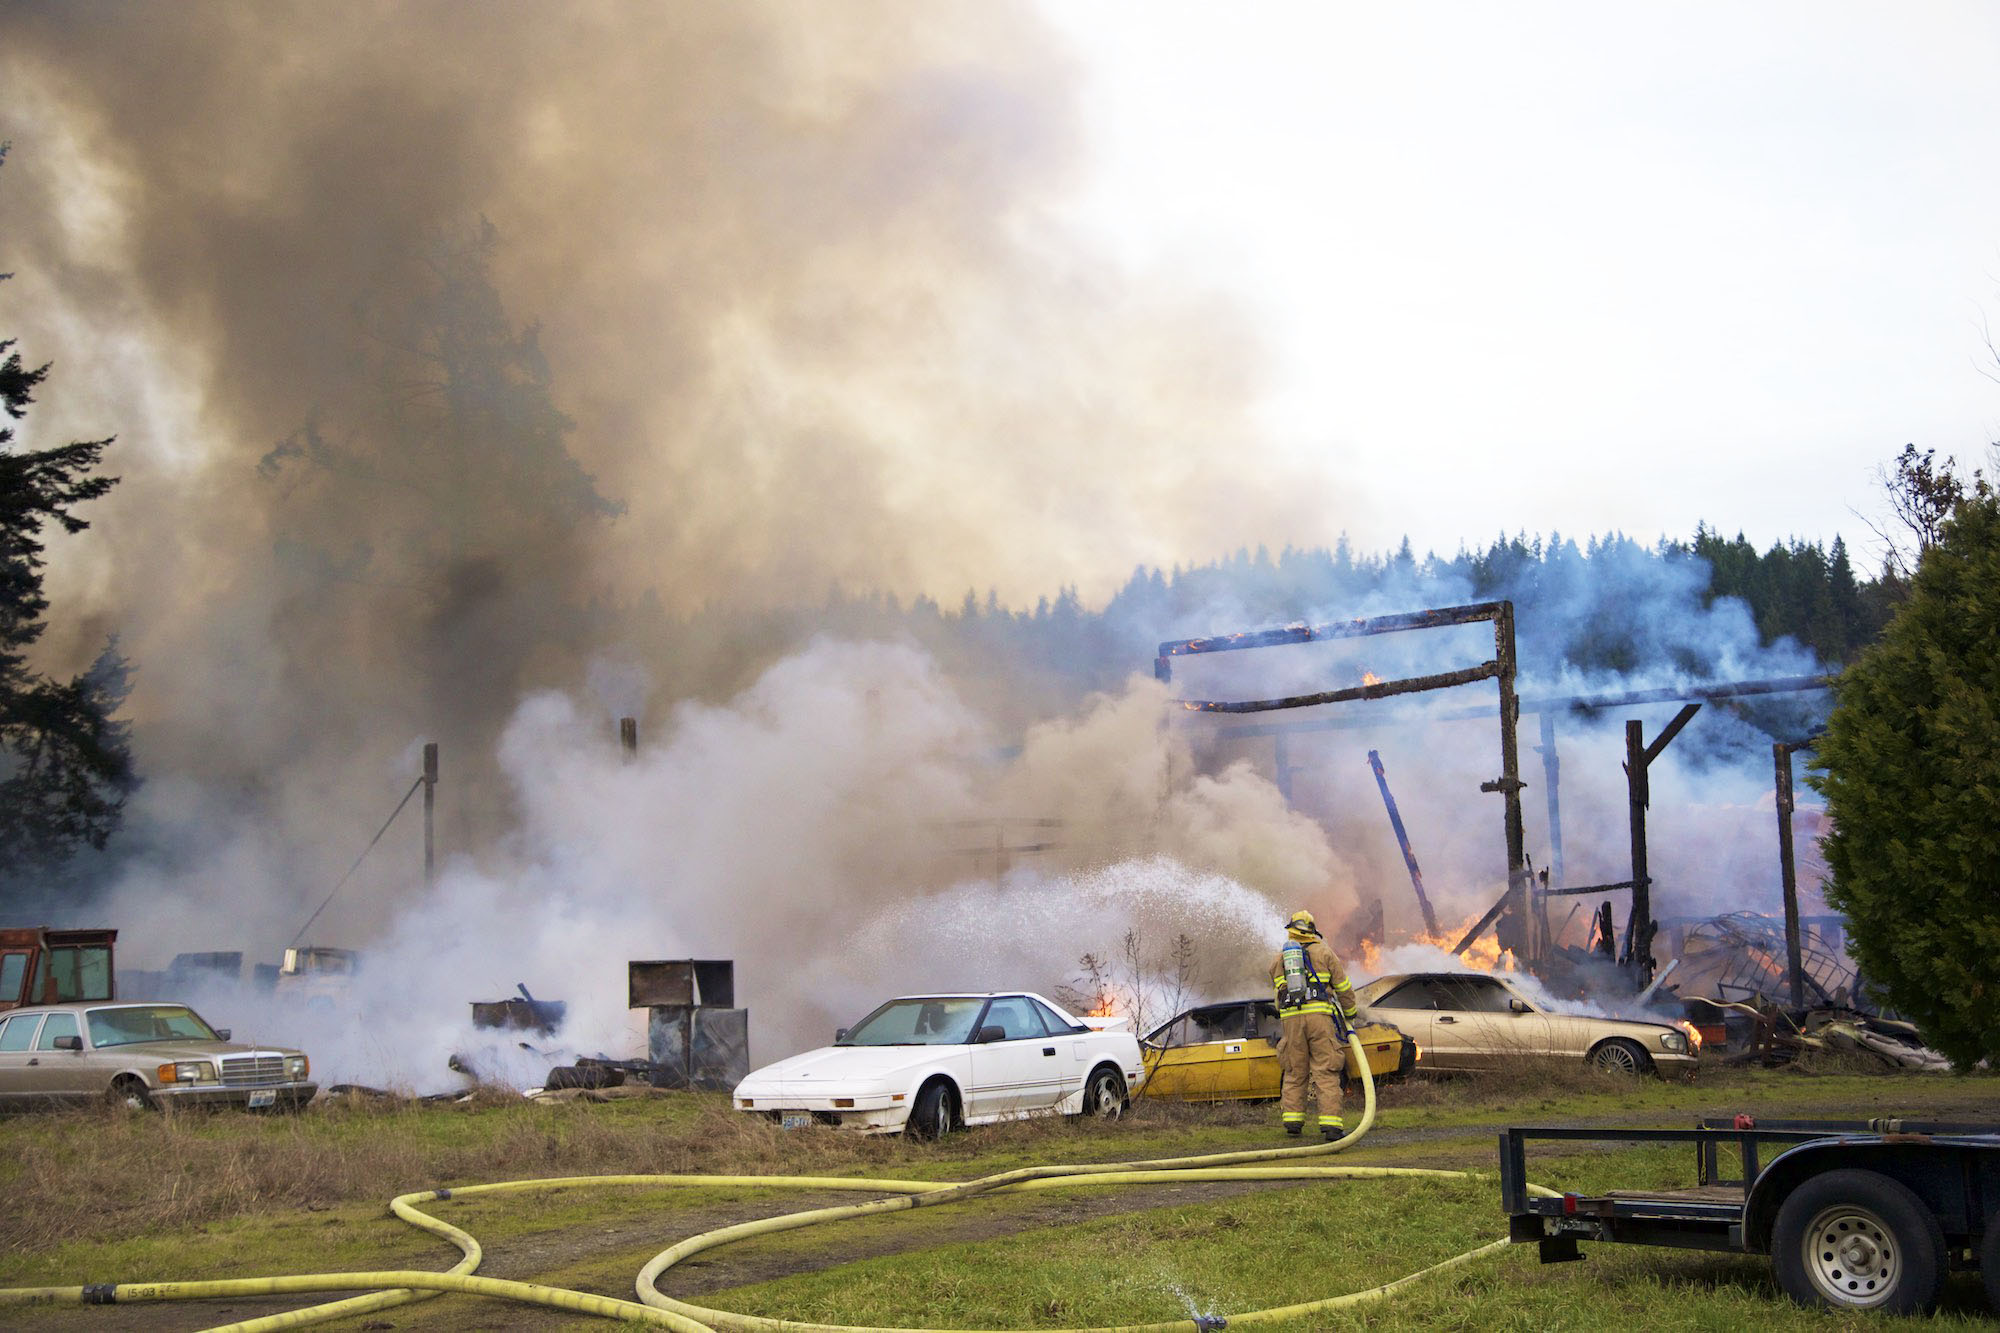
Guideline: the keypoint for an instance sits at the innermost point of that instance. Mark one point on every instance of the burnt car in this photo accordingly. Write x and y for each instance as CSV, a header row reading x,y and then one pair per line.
x,y
141,1055
1479,1020
1229,1052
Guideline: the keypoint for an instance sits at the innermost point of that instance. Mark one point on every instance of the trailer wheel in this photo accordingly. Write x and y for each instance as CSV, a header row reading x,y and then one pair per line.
x,y
1857,1240
1989,1262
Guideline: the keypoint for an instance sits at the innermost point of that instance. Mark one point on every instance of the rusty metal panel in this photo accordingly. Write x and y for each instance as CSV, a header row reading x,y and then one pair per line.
x,y
698,1046
649,984
519,1014
709,982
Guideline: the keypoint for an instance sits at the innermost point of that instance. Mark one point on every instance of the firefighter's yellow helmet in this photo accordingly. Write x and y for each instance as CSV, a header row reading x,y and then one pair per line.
x,y
1302,920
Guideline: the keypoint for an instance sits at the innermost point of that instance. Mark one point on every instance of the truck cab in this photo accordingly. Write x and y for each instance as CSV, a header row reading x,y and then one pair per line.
x,y
40,965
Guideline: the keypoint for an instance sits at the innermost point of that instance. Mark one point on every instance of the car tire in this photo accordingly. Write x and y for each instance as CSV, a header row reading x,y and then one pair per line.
x,y
1857,1240
934,1114
1104,1094
128,1094
1619,1056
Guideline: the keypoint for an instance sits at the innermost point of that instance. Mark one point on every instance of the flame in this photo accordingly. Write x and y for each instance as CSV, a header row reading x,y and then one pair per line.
x,y
1483,954
1370,678
1694,1034
1104,1008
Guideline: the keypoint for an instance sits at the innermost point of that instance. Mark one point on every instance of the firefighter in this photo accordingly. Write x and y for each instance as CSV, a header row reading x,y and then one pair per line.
x,y
1310,983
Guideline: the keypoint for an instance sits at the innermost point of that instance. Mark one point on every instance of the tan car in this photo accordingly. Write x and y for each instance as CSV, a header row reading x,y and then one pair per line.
x,y
1480,1020
141,1055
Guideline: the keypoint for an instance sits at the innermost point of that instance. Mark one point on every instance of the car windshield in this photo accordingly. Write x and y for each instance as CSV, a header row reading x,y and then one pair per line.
x,y
147,1022
946,1022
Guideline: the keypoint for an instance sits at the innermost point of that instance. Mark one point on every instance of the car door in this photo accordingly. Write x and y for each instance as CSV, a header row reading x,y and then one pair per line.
x,y
59,1074
1263,1076
1077,1048
1202,1056
1492,1025
17,1057
1022,1070
1412,1007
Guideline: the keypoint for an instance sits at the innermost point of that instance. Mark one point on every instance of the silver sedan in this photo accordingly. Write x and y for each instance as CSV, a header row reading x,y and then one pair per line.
x,y
141,1055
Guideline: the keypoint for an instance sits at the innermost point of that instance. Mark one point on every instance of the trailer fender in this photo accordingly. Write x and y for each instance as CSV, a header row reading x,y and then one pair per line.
x,y
1945,1177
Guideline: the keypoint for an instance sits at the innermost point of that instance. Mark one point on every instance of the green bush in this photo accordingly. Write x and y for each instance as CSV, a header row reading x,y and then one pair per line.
x,y
1910,767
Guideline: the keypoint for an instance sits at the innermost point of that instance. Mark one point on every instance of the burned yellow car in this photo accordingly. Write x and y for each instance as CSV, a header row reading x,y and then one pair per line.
x,y
1229,1052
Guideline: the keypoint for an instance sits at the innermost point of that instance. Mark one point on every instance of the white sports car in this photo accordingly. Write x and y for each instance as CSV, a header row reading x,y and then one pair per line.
x,y
927,1064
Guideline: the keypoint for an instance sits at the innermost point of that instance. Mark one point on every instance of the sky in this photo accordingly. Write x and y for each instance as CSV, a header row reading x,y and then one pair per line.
x,y
1574,267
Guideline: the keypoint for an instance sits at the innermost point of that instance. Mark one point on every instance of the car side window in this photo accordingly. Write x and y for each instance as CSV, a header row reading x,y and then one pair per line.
x,y
1416,993
1264,1020
1053,1021
56,1025
19,1033
1017,1016
1478,995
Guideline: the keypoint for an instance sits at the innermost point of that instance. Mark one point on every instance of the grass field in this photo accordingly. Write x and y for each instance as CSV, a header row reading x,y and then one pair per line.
x,y
116,1197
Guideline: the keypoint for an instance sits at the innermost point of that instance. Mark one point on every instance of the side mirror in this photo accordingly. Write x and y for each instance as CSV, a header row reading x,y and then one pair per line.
x,y
840,1034
222,1034
69,1043
991,1032
1520,1006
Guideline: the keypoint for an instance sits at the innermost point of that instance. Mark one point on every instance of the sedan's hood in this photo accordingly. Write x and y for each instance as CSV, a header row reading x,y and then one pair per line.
x,y
162,1052
845,1065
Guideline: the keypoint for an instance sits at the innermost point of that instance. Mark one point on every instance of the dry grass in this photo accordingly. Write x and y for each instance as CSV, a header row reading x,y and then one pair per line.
x,y
154,1171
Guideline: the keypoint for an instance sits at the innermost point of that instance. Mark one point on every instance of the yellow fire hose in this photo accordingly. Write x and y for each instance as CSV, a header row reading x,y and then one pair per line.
x,y
396,1287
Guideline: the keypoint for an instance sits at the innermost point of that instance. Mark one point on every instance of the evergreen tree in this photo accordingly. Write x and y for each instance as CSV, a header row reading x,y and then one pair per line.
x,y
1909,765
65,769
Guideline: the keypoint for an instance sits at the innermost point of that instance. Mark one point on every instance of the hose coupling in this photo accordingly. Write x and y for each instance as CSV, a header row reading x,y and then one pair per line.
x,y
1208,1323
101,1293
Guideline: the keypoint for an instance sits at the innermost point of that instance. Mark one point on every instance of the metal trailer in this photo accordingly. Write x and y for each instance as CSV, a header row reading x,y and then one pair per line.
x,y
1855,1215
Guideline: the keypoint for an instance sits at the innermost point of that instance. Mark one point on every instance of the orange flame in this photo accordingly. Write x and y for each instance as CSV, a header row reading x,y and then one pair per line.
x,y
1370,678
1483,954
1694,1034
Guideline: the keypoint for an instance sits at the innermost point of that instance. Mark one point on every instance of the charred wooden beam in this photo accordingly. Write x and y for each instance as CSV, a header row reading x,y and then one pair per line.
x,y
1558,704
1434,618
1403,841
1380,689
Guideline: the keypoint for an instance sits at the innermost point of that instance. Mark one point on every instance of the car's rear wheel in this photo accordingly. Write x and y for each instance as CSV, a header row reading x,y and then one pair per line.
x,y
934,1113
1619,1056
128,1094
1104,1094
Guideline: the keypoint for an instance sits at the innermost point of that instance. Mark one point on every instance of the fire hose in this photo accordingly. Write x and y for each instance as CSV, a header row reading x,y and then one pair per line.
x,y
396,1287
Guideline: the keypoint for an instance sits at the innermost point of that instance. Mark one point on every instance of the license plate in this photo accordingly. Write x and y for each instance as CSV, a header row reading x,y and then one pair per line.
x,y
795,1120
265,1098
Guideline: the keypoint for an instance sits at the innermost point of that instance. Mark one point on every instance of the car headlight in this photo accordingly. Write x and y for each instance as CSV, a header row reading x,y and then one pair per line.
x,y
187,1071
296,1067
1673,1041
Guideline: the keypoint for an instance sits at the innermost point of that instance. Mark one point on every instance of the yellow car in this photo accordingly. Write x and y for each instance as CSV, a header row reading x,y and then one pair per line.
x,y
1229,1052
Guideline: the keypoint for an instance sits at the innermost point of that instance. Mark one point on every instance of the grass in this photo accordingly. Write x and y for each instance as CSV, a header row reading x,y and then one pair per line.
x,y
192,1195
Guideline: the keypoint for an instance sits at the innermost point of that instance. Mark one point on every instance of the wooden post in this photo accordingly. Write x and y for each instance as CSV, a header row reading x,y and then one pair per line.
x,y
1638,794
628,737
1510,783
1781,753
430,812
1552,779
